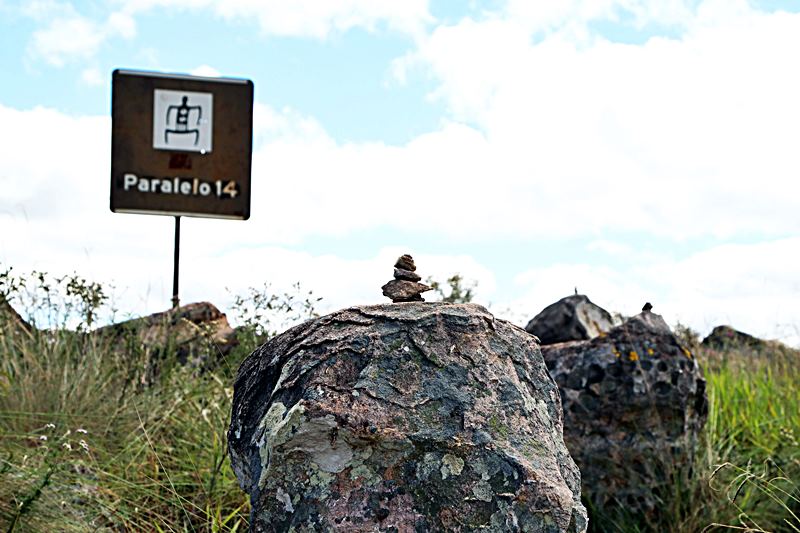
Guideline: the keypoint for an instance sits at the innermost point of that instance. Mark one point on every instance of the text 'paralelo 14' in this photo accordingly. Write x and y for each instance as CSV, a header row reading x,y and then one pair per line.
x,y
182,186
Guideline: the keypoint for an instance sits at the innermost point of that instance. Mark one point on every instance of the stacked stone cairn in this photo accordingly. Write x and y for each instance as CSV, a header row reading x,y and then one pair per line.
x,y
405,287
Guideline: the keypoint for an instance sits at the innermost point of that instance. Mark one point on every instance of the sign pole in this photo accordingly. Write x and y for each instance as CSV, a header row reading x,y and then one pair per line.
x,y
176,262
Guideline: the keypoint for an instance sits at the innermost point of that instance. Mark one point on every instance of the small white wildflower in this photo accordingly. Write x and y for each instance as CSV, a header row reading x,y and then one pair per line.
x,y
81,430
43,437
83,445
50,426
67,445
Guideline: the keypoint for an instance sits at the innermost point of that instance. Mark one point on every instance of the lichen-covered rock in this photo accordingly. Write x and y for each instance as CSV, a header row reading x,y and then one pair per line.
x,y
573,318
634,402
404,417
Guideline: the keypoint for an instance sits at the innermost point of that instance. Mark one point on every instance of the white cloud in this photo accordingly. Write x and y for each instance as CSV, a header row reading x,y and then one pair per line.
x,y
67,35
64,39
93,77
612,248
677,137
205,70
548,16
317,19
121,24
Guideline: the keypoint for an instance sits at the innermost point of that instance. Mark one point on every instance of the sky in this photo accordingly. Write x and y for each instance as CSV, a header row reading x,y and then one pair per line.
x,y
637,150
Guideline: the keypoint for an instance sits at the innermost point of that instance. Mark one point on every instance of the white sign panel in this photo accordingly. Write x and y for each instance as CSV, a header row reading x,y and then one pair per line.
x,y
183,120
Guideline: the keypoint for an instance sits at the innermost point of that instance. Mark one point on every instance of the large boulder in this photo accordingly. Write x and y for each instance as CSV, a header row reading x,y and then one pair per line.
x,y
573,318
634,402
196,334
403,417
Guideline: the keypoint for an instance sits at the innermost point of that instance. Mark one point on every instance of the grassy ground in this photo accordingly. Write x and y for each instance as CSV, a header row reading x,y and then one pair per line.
x,y
85,446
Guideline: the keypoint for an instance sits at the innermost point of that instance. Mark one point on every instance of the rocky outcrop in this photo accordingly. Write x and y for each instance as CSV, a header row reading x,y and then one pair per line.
x,y
573,318
634,402
196,333
403,417
725,337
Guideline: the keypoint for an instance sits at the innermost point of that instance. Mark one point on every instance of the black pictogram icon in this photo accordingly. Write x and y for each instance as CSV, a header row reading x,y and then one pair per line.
x,y
182,115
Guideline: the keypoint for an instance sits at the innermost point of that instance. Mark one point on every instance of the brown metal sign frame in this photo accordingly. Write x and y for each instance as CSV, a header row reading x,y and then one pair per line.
x,y
209,121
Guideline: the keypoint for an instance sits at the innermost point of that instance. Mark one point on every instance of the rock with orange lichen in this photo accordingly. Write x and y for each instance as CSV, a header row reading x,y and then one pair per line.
x,y
404,417
634,403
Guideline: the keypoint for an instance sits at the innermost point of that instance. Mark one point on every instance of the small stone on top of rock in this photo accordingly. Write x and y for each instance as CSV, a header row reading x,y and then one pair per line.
x,y
405,286
406,262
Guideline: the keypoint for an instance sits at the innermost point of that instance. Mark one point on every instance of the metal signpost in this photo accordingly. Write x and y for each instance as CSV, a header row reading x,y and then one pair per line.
x,y
181,146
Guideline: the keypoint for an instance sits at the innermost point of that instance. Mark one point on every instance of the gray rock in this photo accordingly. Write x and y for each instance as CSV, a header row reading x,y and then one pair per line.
x,y
404,291
570,319
408,275
634,403
726,337
410,417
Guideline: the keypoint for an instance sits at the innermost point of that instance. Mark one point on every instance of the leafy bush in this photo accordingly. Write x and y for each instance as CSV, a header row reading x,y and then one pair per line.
x,y
455,290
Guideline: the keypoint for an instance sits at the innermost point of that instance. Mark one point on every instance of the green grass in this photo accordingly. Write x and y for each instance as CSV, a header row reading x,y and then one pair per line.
x,y
90,440
85,446
751,455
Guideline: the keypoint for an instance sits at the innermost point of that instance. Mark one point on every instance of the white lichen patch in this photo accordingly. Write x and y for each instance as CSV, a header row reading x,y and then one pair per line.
x,y
314,438
480,468
482,491
277,426
285,499
451,465
273,417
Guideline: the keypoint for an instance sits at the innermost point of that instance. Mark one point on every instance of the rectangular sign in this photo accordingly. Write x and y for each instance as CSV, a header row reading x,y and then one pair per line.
x,y
181,145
